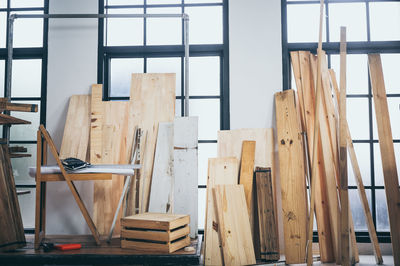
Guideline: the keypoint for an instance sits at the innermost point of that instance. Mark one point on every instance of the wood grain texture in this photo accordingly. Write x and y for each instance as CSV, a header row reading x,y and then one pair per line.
x,y
220,171
387,151
75,140
233,225
10,120
293,180
269,248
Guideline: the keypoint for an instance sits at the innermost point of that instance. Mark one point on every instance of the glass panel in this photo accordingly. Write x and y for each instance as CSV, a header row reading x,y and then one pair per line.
x,y
206,150
357,73
209,117
178,108
357,209
124,31
26,78
27,3
352,16
202,1
21,165
3,3
124,2
385,21
25,132
204,73
164,31
121,70
202,208
394,112
27,205
205,24
391,66
167,65
379,181
28,32
303,23
363,158
3,29
357,117
162,2
382,218
2,76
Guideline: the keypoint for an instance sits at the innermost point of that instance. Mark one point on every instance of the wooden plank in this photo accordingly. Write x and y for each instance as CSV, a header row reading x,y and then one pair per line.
x,y
185,195
246,177
18,107
360,185
166,236
161,248
220,171
152,100
76,177
17,149
295,58
75,140
387,151
293,183
96,124
10,120
269,245
159,221
234,226
162,182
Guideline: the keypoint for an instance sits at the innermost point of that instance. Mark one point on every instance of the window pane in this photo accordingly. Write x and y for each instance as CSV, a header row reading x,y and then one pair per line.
x,y
357,72
28,32
352,16
167,65
121,70
21,165
357,209
2,77
363,159
391,66
205,25
206,150
394,113
3,29
162,2
27,205
124,31
3,3
379,181
209,117
202,208
26,78
178,108
303,23
357,117
204,76
164,31
385,21
382,218
124,2
27,3
25,132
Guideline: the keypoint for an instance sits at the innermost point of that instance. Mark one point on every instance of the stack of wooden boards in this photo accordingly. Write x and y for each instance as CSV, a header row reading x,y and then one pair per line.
x,y
295,116
241,221
12,235
165,142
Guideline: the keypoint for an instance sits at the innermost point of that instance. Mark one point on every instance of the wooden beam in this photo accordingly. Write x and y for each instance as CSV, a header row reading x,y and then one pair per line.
x,y
10,120
387,151
18,107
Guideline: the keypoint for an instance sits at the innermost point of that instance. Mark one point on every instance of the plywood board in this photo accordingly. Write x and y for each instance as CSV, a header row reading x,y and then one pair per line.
x,y
185,195
75,140
162,182
387,151
293,180
234,225
220,171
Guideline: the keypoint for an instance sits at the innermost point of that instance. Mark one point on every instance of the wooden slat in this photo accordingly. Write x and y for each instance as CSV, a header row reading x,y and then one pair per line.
x,y
233,225
10,120
220,171
162,181
166,236
293,184
269,246
17,149
156,247
19,155
387,151
159,221
75,140
76,177
19,107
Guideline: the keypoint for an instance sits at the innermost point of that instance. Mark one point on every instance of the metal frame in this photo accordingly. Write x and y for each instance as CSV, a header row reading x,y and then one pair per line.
x,y
364,47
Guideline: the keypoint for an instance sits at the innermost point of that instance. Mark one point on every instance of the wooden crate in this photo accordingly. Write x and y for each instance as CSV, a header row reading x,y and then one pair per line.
x,y
155,232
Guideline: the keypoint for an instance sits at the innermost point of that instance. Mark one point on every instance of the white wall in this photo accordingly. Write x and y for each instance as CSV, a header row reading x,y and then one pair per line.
x,y
72,69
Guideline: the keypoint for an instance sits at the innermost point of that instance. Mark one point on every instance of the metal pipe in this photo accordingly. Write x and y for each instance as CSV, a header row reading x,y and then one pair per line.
x,y
9,72
186,37
15,16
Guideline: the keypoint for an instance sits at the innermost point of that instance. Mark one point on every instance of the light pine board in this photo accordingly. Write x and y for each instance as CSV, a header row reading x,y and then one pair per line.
x,y
220,171
292,177
75,140
152,100
234,225
162,182
185,193
387,151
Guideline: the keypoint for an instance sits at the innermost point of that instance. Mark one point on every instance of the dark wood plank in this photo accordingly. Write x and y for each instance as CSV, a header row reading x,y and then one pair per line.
x,y
19,107
10,120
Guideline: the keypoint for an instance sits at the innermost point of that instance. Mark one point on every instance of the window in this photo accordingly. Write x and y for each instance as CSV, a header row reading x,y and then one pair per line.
x,y
28,86
146,45
373,26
